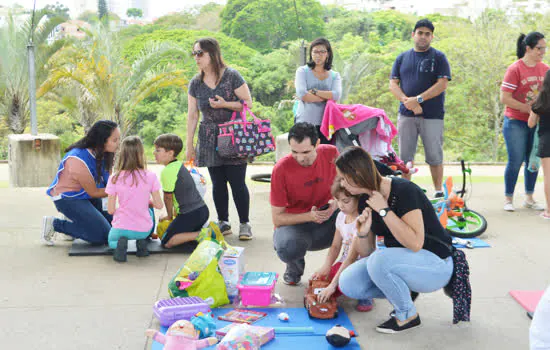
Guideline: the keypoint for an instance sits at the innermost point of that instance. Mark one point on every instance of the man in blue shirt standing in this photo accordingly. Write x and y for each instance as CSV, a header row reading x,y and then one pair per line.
x,y
418,80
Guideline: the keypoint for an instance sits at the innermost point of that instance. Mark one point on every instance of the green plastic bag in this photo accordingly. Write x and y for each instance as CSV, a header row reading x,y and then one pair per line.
x,y
209,285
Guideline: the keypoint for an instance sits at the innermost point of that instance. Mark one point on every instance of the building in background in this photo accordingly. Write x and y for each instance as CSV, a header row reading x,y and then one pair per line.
x,y
470,9
72,28
119,7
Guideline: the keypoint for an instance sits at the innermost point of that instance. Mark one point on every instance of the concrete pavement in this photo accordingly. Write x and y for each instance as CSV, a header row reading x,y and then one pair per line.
x,y
49,300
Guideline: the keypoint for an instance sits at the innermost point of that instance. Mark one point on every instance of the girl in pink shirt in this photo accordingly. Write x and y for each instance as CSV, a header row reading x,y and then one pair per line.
x,y
132,185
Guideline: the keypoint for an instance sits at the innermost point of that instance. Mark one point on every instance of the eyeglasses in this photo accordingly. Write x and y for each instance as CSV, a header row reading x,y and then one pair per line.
x,y
198,53
319,52
541,48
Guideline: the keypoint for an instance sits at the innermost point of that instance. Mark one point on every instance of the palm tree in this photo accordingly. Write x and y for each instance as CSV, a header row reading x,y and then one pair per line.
x,y
14,70
103,83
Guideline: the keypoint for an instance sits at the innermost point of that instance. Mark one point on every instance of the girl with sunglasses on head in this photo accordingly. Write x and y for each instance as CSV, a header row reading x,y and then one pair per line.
x,y
217,91
316,83
520,88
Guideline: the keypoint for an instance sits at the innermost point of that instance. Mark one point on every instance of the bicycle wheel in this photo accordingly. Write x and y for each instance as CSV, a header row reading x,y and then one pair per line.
x,y
261,178
470,224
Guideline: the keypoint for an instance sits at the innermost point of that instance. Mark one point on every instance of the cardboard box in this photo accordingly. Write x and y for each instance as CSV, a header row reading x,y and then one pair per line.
x,y
232,268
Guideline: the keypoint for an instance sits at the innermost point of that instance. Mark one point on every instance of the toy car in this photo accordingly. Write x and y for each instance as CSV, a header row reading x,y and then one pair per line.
x,y
315,309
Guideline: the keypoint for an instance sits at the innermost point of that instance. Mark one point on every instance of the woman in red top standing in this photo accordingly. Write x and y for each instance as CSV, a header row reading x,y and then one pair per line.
x,y
520,88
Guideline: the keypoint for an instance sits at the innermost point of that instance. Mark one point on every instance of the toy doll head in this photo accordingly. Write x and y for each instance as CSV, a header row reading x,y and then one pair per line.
x,y
182,328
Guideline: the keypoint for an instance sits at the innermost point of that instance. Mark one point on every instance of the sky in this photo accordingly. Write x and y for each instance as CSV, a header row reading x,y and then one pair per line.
x,y
160,6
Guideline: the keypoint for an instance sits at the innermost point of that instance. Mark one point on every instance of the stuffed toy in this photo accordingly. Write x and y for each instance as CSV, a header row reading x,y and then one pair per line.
x,y
181,336
339,336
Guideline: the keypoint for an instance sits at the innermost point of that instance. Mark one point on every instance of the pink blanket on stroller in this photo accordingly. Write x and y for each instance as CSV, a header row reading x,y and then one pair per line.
x,y
339,116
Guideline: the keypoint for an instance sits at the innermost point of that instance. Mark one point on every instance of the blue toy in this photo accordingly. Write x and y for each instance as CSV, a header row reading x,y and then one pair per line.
x,y
193,275
204,324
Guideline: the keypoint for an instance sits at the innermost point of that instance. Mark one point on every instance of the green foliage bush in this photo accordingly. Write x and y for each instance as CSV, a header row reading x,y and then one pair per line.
x,y
261,39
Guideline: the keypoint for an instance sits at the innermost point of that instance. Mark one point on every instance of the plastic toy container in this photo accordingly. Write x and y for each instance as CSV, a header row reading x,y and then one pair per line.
x,y
256,288
169,311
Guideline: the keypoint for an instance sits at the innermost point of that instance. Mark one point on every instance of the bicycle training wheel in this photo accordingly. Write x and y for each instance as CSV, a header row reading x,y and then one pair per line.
x,y
470,224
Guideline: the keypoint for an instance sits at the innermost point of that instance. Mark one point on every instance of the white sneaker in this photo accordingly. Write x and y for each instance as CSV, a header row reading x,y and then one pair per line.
x,y
62,235
509,206
533,205
48,233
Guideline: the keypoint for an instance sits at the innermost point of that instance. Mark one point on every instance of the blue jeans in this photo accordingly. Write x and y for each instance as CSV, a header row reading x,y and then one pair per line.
x,y
392,273
519,142
87,220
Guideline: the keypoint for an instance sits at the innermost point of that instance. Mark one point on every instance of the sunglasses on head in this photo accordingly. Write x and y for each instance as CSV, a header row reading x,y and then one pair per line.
x,y
198,53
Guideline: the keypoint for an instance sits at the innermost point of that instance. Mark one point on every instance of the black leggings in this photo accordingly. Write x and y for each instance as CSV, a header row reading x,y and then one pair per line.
x,y
235,175
188,222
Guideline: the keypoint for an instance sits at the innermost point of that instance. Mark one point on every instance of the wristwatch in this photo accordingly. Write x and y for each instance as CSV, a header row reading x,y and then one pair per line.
x,y
419,99
384,212
314,91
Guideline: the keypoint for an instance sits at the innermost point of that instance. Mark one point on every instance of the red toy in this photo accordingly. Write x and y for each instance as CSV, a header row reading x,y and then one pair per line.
x,y
315,309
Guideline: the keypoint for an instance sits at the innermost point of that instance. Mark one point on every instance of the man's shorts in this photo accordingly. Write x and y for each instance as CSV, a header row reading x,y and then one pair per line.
x,y
431,133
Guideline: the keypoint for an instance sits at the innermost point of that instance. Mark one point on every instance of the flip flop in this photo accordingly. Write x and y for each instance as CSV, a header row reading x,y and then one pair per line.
x,y
544,216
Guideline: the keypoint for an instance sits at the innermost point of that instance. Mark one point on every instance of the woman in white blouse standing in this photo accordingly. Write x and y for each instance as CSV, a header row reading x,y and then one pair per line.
x,y
315,84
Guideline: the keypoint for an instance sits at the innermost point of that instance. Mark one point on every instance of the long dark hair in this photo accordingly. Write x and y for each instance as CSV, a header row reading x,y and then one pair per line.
x,y
531,40
542,103
356,164
95,139
212,47
325,43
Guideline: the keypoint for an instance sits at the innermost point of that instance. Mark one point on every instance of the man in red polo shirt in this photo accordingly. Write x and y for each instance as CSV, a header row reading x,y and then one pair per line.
x,y
302,208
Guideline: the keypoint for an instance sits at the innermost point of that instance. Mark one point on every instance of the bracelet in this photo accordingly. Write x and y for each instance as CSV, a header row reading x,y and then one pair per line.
x,y
365,236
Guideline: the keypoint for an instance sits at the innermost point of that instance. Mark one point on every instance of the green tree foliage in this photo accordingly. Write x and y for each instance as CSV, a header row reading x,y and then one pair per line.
x,y
206,17
102,10
265,25
108,86
272,75
14,69
182,20
134,12
341,22
101,76
57,10
234,52
92,16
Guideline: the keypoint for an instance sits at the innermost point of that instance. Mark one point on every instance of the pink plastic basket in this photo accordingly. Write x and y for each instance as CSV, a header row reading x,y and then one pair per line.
x,y
256,288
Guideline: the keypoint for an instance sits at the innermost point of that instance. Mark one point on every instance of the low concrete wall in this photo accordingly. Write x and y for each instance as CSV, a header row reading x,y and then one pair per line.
x,y
30,165
283,148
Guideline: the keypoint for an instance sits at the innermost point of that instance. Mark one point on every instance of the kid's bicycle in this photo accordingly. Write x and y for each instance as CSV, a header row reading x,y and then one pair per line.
x,y
453,213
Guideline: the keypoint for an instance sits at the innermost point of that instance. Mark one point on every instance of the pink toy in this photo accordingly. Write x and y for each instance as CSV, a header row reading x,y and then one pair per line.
x,y
256,288
181,336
